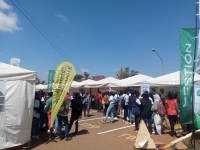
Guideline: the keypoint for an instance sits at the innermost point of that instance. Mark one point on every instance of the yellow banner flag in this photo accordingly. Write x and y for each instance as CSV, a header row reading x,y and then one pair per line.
x,y
64,75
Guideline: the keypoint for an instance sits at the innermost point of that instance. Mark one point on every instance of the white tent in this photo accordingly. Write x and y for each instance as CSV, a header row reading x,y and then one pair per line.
x,y
172,79
130,81
82,84
17,91
101,83
41,87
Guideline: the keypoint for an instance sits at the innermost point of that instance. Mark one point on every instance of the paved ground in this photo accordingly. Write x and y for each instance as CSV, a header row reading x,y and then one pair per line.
x,y
93,135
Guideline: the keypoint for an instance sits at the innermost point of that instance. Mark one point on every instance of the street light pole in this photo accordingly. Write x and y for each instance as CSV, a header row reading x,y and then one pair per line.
x,y
153,50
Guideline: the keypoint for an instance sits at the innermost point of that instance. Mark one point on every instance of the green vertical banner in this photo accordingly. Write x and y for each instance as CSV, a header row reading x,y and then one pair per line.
x,y
50,80
187,47
197,105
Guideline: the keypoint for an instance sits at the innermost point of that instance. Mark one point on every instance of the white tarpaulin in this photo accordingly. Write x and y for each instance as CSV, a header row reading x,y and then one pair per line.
x,y
41,87
101,83
131,81
17,91
82,84
172,79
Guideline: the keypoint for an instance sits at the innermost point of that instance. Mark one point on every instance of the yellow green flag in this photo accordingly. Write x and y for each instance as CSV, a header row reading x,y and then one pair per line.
x,y
63,78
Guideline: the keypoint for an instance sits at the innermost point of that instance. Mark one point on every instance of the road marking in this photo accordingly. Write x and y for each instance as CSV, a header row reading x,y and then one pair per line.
x,y
115,129
128,136
87,125
91,119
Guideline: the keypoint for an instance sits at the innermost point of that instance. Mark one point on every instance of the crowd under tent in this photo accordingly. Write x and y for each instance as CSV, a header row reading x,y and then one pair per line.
x,y
17,92
168,82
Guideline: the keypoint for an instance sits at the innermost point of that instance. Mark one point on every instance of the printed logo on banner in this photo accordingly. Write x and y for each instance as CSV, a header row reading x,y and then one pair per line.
x,y
64,76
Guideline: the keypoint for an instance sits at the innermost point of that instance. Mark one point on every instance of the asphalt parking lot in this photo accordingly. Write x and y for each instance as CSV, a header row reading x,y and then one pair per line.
x,y
94,135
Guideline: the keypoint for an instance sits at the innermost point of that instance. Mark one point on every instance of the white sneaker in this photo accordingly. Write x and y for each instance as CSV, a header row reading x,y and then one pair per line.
x,y
153,132
115,118
48,131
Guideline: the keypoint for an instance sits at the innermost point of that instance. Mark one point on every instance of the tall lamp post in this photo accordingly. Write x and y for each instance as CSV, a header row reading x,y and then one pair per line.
x,y
153,50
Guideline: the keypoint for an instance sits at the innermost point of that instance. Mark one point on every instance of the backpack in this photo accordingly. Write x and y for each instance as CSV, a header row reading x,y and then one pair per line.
x,y
155,107
122,102
132,98
161,110
40,109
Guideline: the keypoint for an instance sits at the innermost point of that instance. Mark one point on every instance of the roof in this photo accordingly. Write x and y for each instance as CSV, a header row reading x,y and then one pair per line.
x,y
131,81
9,72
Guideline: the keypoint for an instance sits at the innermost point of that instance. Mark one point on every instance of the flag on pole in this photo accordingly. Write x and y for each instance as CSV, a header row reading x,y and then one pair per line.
x,y
15,61
187,48
198,40
50,80
63,78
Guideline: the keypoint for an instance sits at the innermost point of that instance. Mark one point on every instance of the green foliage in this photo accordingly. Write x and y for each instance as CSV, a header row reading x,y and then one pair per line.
x,y
125,73
86,75
39,81
78,77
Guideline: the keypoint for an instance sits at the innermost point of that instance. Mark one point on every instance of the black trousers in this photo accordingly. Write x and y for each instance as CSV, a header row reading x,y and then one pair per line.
x,y
73,118
106,107
172,121
137,119
125,112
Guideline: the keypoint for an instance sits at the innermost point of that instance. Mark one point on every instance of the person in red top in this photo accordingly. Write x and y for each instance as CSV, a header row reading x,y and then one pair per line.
x,y
99,101
172,110
67,96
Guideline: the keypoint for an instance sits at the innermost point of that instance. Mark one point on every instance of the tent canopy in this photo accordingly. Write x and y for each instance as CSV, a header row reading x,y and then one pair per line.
x,y
17,88
9,72
81,84
41,87
131,81
101,83
172,79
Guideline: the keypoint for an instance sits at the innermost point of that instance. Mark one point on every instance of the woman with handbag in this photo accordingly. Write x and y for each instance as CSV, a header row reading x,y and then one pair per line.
x,y
172,111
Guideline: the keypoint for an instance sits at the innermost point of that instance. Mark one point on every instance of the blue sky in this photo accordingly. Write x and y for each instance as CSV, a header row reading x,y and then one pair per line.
x,y
98,36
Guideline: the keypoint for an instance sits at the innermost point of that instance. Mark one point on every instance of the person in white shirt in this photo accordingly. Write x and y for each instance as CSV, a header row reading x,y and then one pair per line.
x,y
110,108
126,97
116,98
86,104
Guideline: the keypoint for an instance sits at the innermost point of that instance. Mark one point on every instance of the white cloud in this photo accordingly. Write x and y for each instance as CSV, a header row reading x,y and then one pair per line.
x,y
8,19
4,5
62,17
84,70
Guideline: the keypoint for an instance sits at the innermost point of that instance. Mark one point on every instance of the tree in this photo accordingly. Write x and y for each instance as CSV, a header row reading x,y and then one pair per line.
x,y
38,81
125,73
78,77
86,75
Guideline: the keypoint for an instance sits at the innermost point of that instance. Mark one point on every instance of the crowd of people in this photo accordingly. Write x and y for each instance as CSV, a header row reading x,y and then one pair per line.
x,y
151,107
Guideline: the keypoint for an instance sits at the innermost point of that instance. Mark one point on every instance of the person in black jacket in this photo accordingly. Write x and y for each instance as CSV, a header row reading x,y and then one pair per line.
x,y
76,112
146,105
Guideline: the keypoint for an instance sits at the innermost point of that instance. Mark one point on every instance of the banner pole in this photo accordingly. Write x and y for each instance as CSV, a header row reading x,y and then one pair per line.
x,y
193,139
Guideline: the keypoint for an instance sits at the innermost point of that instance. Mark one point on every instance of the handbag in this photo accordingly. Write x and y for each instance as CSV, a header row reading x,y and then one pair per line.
x,y
178,129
